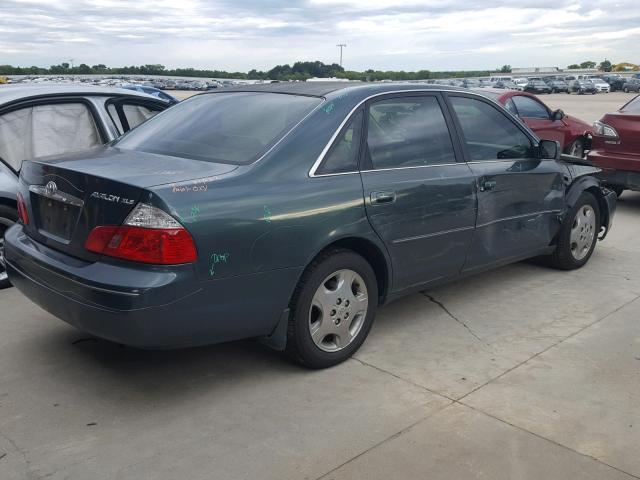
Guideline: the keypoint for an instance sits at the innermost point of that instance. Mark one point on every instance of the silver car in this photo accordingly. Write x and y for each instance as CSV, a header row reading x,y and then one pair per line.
x,y
37,120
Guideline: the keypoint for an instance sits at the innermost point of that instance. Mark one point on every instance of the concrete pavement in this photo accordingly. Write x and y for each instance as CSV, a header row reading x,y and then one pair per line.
x,y
523,372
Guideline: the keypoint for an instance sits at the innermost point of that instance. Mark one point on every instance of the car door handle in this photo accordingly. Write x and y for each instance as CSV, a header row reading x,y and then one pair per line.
x,y
487,185
378,198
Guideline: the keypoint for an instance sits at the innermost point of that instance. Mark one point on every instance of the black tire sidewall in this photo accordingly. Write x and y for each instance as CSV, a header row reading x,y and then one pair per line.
x,y
304,347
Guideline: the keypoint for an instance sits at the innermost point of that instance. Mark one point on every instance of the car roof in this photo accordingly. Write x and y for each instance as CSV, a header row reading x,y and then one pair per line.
x,y
11,93
322,89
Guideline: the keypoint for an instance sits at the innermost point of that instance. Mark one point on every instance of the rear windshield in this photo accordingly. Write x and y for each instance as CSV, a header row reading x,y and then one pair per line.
x,y
633,106
231,127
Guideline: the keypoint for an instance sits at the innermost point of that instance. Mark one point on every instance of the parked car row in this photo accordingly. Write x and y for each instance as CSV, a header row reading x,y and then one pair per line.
x,y
290,212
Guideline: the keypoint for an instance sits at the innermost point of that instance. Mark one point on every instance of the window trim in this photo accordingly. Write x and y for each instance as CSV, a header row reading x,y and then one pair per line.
x,y
451,123
57,100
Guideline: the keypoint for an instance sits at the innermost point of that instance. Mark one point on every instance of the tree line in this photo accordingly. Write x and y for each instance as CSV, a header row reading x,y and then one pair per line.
x,y
297,71
605,66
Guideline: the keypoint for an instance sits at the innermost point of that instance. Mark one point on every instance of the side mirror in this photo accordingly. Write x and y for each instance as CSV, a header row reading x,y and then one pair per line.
x,y
557,115
549,149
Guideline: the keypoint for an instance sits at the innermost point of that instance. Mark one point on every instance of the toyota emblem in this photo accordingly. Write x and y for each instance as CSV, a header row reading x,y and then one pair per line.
x,y
51,188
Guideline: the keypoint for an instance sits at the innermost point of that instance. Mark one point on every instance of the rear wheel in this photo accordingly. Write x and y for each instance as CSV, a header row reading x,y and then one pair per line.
x,y
8,216
578,235
332,309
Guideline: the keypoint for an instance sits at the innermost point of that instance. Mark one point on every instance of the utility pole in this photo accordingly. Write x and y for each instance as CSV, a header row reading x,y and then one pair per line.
x,y
341,45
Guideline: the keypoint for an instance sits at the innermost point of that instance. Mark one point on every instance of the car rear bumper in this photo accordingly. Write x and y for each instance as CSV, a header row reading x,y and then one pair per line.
x,y
622,170
149,306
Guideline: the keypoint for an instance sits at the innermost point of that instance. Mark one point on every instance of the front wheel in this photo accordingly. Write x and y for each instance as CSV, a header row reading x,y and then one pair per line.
x,y
332,309
578,235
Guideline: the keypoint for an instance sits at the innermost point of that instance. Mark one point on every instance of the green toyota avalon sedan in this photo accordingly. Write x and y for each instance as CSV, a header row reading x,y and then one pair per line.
x,y
292,212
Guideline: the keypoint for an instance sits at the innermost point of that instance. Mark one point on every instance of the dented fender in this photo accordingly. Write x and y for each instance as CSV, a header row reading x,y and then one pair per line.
x,y
579,178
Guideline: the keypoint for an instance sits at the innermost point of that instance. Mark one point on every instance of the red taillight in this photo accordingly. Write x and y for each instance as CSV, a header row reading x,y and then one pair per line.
x,y
164,246
23,216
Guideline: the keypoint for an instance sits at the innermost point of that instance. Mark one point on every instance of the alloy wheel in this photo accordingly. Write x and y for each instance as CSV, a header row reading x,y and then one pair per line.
x,y
338,310
583,232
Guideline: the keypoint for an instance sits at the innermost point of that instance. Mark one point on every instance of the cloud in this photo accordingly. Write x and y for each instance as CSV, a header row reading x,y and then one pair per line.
x,y
381,34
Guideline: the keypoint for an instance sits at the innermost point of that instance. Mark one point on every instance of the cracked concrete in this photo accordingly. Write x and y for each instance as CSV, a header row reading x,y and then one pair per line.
x,y
446,310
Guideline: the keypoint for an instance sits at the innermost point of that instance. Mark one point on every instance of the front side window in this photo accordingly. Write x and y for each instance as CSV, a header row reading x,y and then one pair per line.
x,y
529,108
343,156
489,134
408,132
42,130
232,127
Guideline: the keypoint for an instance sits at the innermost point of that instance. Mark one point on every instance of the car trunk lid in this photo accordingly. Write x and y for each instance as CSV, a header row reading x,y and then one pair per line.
x,y
68,197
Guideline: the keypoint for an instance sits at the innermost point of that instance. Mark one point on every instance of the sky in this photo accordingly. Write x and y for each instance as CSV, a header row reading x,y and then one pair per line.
x,y
238,35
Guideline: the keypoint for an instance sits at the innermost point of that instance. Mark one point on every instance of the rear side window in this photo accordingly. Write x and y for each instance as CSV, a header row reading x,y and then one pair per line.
x,y
129,115
343,156
42,130
529,108
488,134
232,127
408,132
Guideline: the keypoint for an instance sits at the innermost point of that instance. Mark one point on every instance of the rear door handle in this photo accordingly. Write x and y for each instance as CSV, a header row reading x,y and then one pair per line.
x,y
378,198
487,185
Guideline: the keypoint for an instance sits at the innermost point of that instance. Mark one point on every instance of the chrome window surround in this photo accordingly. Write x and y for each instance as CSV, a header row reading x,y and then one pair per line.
x,y
325,150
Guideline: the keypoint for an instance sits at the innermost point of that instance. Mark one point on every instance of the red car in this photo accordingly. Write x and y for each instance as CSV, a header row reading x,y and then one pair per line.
x,y
616,147
572,133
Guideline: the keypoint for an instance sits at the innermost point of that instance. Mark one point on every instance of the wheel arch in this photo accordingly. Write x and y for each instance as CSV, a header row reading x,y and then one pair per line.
x,y
592,185
372,253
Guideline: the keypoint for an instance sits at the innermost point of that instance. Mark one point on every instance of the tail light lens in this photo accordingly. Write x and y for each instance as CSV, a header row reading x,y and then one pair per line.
x,y
23,216
148,235
604,130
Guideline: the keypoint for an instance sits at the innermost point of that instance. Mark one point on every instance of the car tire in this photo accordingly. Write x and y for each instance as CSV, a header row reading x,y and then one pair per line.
x,y
576,148
332,309
8,216
578,234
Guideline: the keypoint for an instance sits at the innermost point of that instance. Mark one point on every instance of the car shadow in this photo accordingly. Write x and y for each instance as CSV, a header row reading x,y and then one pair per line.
x,y
629,201
120,374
